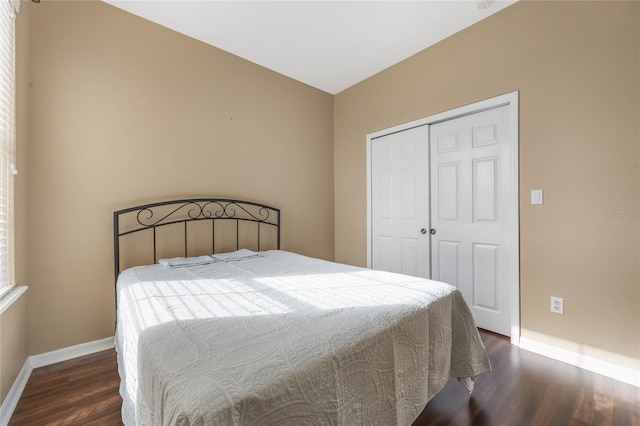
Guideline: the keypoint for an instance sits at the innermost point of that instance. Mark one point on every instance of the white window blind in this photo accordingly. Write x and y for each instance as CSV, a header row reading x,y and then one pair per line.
x,y
7,141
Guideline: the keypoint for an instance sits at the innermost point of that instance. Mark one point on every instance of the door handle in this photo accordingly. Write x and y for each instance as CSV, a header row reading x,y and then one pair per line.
x,y
423,231
432,231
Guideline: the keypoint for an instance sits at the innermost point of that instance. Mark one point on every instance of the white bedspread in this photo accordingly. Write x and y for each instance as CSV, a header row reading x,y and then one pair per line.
x,y
285,339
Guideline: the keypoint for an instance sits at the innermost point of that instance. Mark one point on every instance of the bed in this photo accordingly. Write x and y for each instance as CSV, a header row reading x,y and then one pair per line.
x,y
262,336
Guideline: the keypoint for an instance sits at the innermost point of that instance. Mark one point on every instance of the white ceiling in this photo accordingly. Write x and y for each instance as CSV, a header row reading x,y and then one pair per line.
x,y
330,45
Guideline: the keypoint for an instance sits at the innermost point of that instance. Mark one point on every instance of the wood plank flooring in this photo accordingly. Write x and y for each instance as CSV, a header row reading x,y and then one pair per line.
x,y
82,391
528,389
523,389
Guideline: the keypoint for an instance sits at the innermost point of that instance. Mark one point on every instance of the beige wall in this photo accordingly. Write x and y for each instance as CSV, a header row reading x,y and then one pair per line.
x,y
575,65
13,344
123,112
13,321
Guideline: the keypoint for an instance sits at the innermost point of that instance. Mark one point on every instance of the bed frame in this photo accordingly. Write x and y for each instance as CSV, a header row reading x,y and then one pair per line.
x,y
151,217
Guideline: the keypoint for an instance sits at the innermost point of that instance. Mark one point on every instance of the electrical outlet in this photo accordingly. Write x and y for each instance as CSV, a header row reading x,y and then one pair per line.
x,y
557,305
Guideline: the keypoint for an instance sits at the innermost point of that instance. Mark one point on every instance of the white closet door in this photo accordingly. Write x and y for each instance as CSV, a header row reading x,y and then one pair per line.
x,y
400,202
470,202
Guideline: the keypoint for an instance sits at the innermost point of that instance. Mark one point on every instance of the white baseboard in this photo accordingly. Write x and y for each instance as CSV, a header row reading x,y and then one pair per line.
x,y
71,352
11,401
36,361
605,368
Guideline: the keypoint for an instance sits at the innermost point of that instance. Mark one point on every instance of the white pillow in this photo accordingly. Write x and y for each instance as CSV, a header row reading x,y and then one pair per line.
x,y
180,262
234,256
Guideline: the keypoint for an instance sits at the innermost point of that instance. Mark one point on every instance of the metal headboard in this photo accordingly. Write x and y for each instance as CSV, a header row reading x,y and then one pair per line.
x,y
151,217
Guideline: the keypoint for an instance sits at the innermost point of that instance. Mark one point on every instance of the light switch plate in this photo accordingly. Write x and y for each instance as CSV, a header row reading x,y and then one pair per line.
x,y
536,196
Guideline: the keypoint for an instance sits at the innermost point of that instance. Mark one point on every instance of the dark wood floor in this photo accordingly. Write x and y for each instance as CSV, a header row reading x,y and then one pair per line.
x,y
523,389
528,389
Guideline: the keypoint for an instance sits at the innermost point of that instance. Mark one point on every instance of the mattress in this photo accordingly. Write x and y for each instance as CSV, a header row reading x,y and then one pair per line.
x,y
285,339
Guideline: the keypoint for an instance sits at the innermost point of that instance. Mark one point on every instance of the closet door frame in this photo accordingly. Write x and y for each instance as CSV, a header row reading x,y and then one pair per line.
x,y
512,100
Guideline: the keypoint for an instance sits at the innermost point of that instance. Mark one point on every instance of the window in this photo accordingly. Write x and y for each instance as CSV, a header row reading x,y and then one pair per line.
x,y
8,11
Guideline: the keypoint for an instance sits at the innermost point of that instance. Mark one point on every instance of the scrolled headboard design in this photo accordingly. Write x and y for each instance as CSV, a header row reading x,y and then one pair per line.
x,y
152,217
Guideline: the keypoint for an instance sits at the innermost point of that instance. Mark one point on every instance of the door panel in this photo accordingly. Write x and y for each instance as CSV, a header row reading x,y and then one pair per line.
x,y
410,256
383,252
384,200
485,276
400,202
449,191
469,164
485,134
448,261
485,190
409,189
